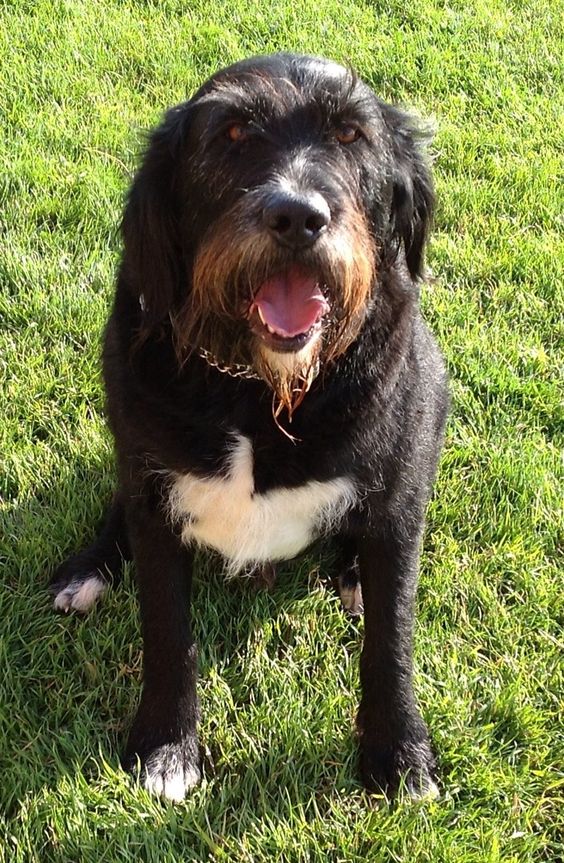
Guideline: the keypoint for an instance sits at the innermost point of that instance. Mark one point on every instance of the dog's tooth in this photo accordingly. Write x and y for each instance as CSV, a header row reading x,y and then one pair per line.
x,y
270,329
261,316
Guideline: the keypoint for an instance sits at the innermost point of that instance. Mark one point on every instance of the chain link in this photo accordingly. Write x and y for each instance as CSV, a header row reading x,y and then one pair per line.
x,y
237,370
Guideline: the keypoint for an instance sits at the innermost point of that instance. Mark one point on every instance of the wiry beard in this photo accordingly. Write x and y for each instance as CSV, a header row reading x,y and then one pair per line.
x,y
235,259
289,375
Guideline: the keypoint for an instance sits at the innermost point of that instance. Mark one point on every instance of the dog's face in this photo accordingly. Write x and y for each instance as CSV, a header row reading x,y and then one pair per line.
x,y
267,209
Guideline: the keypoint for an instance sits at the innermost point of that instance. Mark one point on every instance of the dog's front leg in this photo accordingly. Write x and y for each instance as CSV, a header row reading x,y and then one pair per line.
x,y
394,743
163,739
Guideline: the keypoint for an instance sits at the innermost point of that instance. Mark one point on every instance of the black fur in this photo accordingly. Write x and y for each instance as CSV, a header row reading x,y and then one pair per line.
x,y
375,413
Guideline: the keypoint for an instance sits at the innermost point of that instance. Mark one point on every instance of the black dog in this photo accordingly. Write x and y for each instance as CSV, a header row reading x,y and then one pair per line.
x,y
270,380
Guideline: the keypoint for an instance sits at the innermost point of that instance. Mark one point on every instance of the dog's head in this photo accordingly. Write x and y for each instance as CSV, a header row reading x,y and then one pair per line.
x,y
266,211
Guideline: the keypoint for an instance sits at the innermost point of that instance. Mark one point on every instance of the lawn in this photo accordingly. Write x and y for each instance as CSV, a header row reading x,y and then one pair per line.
x,y
79,83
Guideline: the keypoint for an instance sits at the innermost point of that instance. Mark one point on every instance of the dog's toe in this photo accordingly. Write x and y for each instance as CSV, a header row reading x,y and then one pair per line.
x,y
265,576
172,784
169,772
80,594
424,789
406,767
351,597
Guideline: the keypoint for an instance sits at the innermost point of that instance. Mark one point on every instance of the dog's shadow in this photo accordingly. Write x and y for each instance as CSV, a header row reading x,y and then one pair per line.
x,y
74,681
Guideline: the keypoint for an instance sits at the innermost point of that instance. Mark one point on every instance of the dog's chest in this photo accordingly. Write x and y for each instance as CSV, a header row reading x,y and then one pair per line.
x,y
225,512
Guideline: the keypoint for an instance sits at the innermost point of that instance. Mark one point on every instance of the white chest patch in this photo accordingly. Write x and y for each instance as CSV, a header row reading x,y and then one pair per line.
x,y
226,514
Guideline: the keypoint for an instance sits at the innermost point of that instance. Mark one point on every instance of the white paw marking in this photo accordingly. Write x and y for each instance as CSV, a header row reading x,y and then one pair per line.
x,y
172,784
225,513
80,595
430,792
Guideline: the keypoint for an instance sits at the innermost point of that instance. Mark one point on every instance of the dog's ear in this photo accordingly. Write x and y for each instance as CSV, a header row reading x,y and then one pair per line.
x,y
152,254
413,196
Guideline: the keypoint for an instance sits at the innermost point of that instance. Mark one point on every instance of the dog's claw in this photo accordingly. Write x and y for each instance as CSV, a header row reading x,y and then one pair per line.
x,y
80,594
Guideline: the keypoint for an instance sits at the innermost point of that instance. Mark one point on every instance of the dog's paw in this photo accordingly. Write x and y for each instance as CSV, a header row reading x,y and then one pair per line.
x,y
80,593
264,576
351,596
168,771
407,766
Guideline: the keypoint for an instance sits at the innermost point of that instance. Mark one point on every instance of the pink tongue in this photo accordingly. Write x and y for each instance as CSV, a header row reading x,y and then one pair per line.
x,y
290,303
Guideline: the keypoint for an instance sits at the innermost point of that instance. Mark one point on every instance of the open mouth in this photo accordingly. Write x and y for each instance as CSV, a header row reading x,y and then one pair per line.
x,y
287,310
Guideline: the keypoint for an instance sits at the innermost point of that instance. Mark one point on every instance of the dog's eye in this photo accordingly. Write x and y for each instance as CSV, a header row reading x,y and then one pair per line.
x,y
237,133
347,134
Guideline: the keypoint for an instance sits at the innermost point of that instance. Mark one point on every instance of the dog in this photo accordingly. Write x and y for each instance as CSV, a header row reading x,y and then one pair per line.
x,y
270,381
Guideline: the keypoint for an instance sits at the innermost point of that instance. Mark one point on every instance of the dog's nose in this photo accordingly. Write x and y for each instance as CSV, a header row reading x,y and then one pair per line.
x,y
296,220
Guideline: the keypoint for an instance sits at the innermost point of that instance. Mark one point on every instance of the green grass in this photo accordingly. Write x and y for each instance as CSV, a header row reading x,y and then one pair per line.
x,y
78,82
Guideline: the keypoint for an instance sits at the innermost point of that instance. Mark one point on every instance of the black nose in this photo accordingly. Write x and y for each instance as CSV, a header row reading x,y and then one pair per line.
x,y
296,220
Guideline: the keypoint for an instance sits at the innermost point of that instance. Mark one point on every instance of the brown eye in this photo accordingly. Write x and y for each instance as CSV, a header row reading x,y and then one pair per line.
x,y
347,134
237,133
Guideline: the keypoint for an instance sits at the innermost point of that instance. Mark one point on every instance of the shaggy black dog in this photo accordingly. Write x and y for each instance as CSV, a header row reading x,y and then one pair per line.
x,y
270,381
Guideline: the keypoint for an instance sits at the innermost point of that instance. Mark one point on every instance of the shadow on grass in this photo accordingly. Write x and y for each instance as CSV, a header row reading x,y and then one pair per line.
x,y
246,801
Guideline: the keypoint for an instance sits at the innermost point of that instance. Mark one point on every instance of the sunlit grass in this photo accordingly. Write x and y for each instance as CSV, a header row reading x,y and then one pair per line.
x,y
79,82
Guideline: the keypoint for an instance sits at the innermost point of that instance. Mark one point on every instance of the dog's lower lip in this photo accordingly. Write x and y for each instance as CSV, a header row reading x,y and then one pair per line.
x,y
283,344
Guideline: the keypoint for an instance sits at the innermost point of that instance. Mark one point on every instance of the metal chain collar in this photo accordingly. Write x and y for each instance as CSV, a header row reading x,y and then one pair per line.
x,y
237,370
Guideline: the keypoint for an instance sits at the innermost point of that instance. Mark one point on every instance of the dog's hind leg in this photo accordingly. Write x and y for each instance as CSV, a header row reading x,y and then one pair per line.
x,y
81,579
